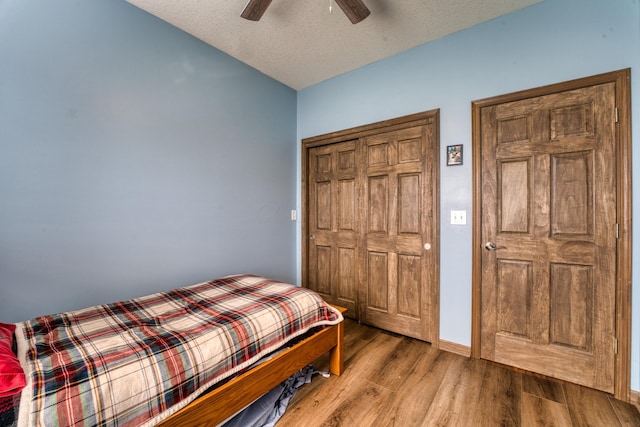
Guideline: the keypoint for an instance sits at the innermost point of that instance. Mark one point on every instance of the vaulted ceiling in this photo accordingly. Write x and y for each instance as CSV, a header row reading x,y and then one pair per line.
x,y
300,43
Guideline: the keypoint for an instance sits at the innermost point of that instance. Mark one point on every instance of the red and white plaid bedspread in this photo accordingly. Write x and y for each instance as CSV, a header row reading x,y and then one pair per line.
x,y
136,362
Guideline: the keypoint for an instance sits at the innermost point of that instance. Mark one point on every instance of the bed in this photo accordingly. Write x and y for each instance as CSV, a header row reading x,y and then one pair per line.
x,y
190,356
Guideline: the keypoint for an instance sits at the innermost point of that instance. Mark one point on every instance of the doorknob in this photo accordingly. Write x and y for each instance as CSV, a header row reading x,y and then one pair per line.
x,y
490,246
312,237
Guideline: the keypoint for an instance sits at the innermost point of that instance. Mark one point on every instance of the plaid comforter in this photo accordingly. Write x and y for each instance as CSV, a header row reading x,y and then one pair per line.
x,y
136,362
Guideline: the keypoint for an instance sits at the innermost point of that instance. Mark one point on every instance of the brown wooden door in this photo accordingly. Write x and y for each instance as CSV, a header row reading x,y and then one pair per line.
x,y
395,283
334,224
549,222
370,203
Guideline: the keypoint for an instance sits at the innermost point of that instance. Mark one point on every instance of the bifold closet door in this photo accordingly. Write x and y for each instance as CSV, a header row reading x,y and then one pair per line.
x,y
395,247
370,230
334,224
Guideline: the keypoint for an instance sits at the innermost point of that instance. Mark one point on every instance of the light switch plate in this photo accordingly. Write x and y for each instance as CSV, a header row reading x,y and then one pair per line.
x,y
459,217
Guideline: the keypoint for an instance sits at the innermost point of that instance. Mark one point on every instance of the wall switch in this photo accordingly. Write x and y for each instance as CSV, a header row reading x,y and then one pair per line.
x,y
294,215
459,217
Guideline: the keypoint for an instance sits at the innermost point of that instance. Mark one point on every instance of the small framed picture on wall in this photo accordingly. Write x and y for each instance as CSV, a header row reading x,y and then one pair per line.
x,y
454,155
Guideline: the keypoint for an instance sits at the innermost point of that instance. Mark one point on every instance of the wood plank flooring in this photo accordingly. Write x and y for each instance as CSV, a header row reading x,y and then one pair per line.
x,y
391,380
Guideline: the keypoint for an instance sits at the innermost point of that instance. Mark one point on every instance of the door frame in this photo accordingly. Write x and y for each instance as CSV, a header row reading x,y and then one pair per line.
x,y
622,80
360,132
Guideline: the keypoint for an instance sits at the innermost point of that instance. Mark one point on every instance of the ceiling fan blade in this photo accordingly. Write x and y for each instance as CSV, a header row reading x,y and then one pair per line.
x,y
254,10
355,10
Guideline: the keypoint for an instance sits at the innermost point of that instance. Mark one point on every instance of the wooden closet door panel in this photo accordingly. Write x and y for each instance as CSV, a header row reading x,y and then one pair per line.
x,y
396,292
333,224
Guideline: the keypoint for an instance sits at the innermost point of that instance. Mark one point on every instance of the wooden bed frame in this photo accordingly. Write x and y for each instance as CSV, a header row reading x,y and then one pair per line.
x,y
218,405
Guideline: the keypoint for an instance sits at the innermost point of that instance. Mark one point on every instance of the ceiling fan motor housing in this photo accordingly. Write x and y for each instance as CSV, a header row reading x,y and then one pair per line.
x,y
355,10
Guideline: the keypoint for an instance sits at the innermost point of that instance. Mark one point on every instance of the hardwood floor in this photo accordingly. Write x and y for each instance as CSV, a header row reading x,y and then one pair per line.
x,y
391,380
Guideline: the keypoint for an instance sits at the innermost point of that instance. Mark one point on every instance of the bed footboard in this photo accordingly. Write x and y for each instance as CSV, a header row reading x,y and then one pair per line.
x,y
221,403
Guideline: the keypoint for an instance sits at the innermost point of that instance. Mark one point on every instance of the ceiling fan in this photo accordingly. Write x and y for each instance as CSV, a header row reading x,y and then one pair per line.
x,y
355,10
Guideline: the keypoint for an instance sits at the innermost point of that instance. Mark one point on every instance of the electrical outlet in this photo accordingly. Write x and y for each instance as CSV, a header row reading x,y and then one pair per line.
x,y
294,215
459,217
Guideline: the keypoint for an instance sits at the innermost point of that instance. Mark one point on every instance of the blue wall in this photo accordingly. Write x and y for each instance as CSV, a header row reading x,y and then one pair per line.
x,y
133,158
550,42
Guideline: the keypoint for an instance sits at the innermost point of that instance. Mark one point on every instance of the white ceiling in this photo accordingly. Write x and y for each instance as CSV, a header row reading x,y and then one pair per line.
x,y
300,44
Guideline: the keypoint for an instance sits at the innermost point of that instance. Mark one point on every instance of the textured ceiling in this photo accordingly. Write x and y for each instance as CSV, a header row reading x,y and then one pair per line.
x,y
299,43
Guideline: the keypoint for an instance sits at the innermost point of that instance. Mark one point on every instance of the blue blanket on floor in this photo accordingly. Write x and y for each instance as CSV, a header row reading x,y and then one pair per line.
x,y
268,409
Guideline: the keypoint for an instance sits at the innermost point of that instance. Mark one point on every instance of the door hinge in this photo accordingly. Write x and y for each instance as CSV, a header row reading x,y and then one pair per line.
x,y
617,117
617,231
615,346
